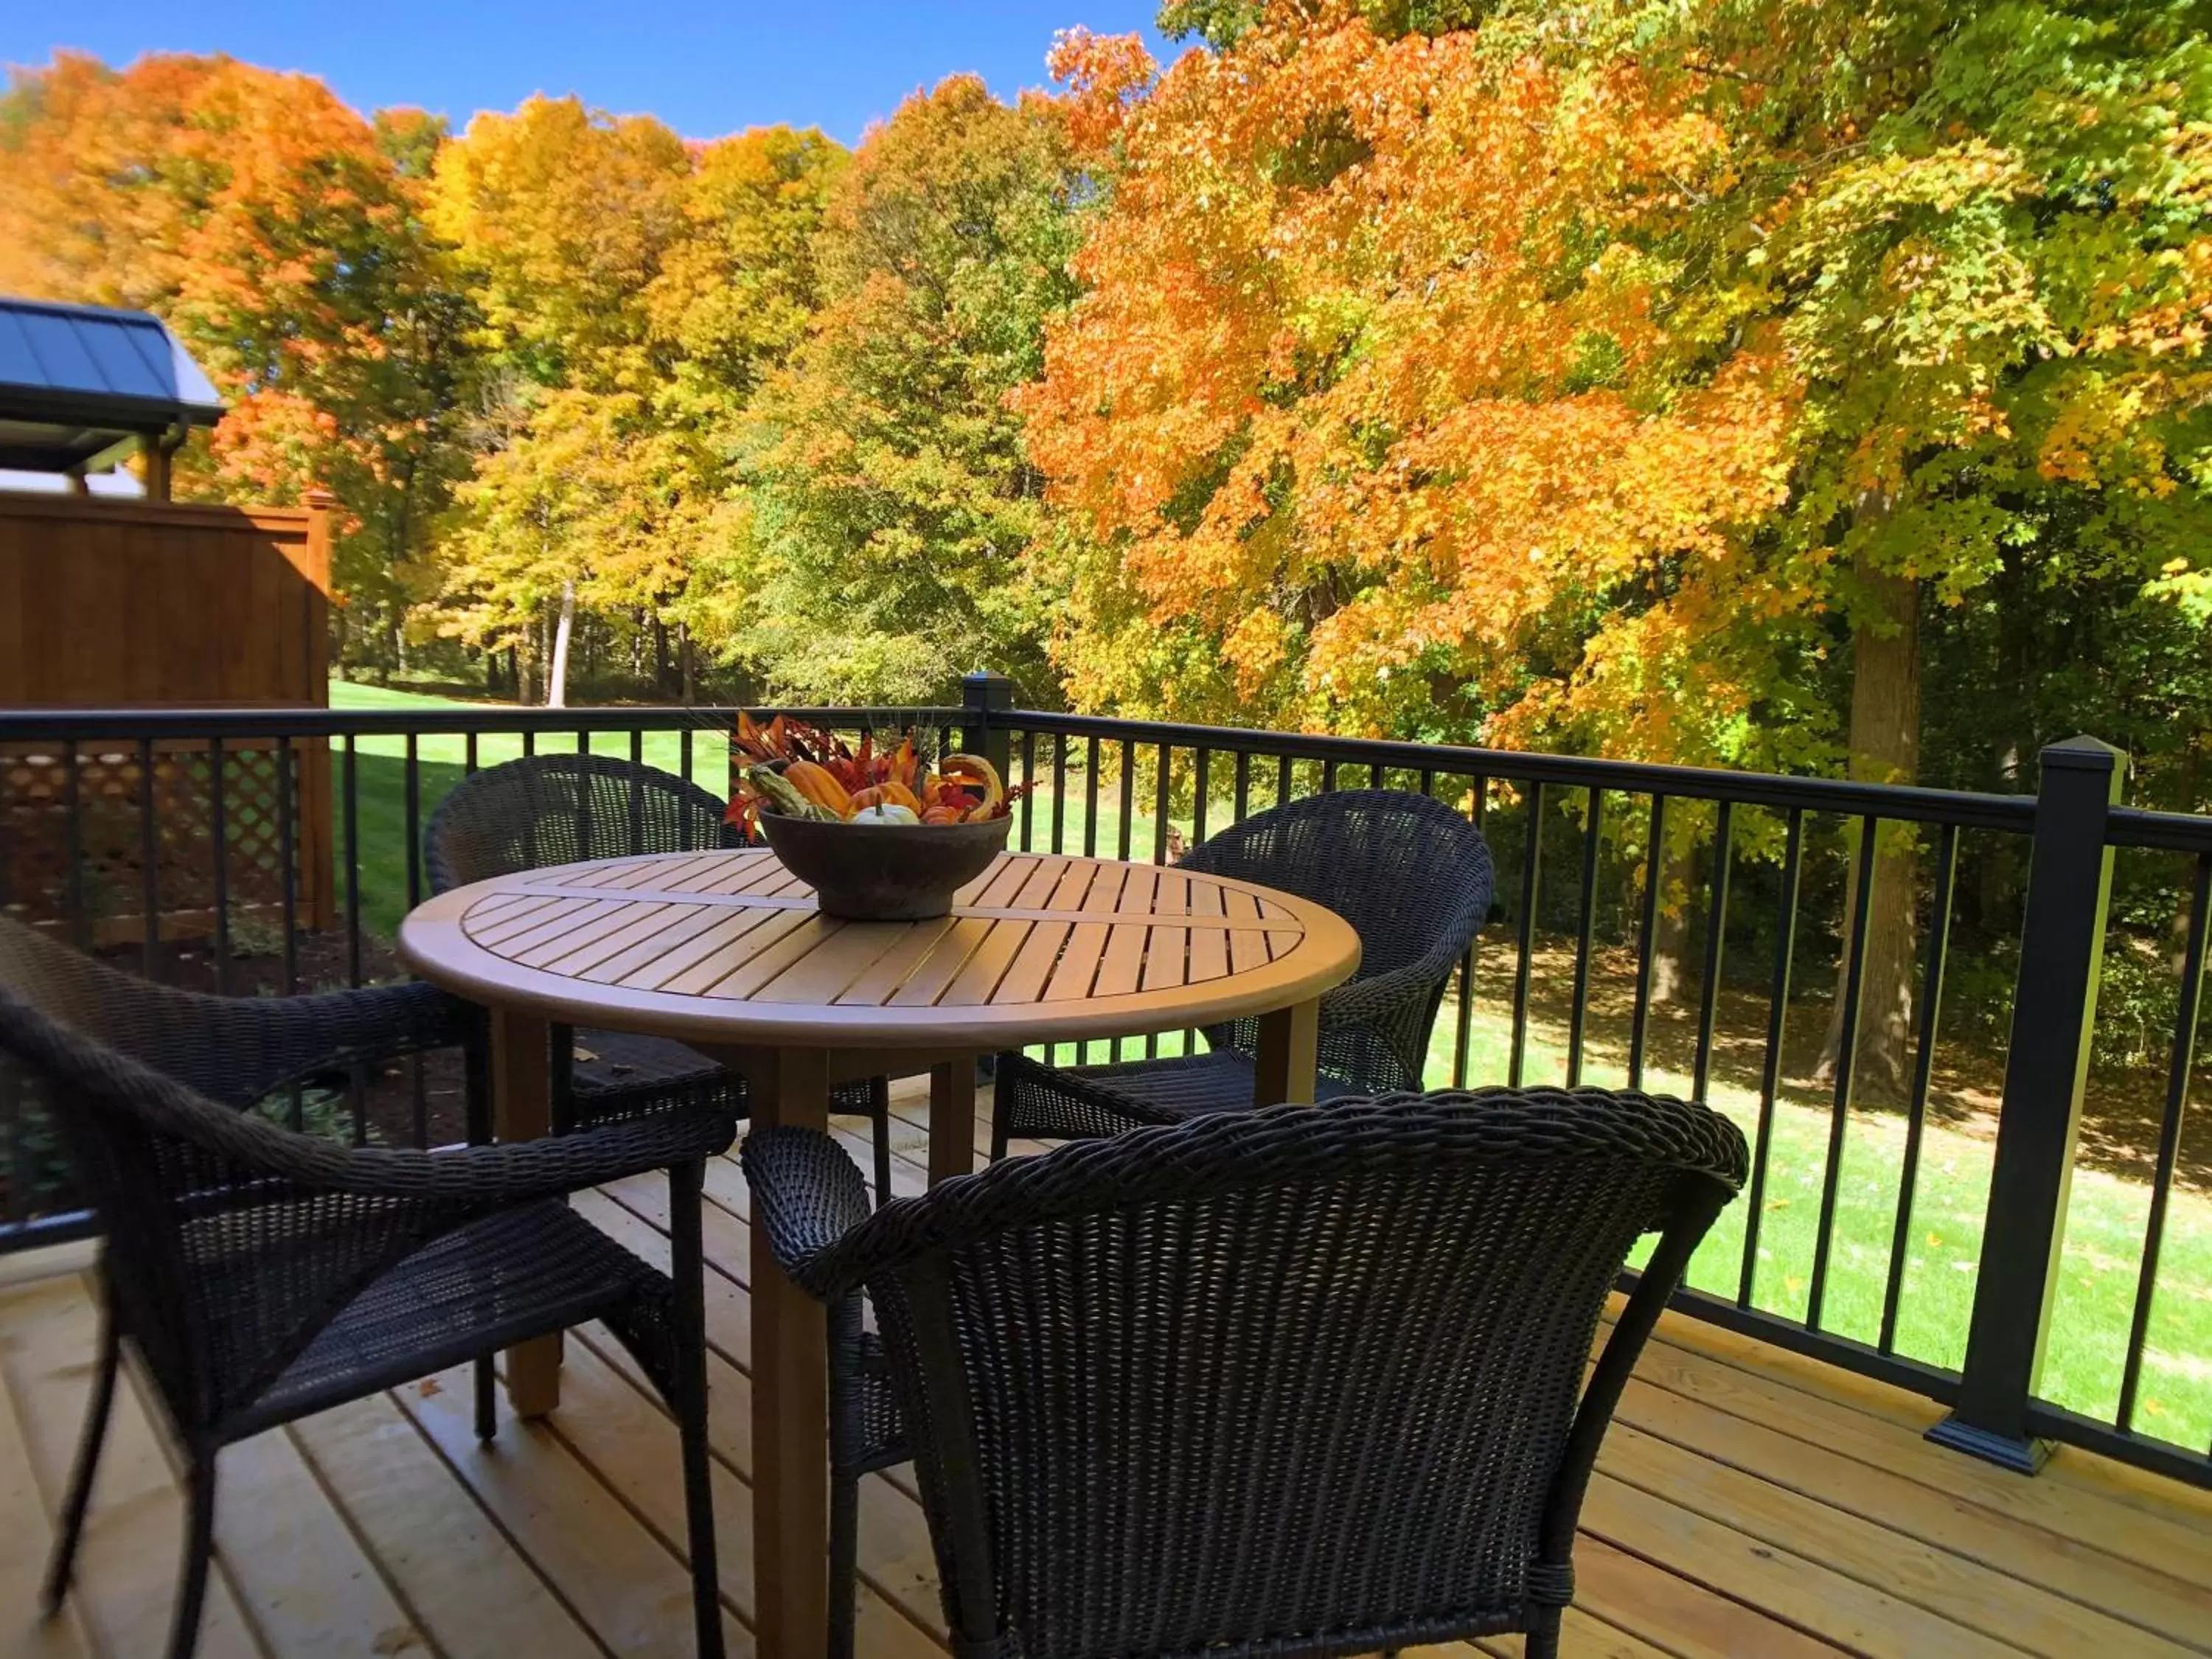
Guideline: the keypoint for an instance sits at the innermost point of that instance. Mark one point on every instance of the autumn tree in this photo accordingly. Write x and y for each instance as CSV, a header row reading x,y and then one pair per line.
x,y
634,291
1371,415
1578,375
281,235
1984,232
892,497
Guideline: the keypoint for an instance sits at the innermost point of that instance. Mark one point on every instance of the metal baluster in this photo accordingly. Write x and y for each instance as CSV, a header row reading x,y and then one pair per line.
x,y
1059,794
1243,808
1090,813
1532,855
1463,1035
637,792
683,752
349,813
1716,948
219,834
1160,806
1375,780
1846,1066
1578,1011
411,788
1029,775
1327,776
349,810
80,924
1282,779
1128,798
149,879
1128,819
469,763
1202,759
1640,1019
1770,1076
1924,1072
2188,1010
287,852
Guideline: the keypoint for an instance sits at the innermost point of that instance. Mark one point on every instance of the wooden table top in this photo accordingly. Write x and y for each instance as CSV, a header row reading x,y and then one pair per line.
x,y
727,947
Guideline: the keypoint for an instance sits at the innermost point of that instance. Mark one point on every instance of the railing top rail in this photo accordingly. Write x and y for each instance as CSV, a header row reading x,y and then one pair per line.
x,y
1969,809
2014,813
2180,832
52,725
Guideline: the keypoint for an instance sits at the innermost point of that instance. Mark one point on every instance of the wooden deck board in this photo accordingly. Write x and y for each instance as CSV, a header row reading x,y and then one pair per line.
x,y
1749,1504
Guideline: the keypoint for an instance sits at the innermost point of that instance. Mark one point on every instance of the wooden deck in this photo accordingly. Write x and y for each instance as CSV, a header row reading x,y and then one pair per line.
x,y
1749,1502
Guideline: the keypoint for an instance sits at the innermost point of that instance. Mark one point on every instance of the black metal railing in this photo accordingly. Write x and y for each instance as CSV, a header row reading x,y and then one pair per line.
x,y
1692,931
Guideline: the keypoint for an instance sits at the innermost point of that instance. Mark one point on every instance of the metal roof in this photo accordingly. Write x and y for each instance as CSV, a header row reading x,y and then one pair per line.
x,y
79,382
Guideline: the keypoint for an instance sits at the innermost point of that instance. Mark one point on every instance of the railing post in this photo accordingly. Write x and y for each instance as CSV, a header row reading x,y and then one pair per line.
x,y
2054,1013
983,694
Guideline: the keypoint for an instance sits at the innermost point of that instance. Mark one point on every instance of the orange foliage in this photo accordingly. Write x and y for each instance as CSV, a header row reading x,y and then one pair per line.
x,y
263,220
1370,383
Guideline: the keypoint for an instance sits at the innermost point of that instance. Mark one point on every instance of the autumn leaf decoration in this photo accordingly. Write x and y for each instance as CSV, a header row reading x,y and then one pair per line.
x,y
787,761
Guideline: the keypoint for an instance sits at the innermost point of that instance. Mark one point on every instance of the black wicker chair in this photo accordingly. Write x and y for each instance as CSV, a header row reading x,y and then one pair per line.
x,y
1413,878
1303,1381
562,809
262,1275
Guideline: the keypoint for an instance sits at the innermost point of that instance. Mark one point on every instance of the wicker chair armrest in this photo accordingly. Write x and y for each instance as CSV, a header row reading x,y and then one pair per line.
x,y
304,1037
499,1175
469,1177
1387,993
808,1194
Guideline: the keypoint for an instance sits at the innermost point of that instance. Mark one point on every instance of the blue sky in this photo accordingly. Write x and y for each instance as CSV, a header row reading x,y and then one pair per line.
x,y
705,68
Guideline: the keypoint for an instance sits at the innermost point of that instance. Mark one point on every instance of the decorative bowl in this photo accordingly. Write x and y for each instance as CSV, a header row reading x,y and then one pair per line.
x,y
884,871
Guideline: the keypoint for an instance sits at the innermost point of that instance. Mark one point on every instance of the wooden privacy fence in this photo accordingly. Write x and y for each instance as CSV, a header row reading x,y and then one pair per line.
x,y
147,605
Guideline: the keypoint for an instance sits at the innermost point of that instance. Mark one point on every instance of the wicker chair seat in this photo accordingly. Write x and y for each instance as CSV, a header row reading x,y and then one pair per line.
x,y
1080,1103
511,1277
619,1074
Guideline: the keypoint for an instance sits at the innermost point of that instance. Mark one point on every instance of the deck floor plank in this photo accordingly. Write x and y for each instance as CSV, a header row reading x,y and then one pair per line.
x,y
632,1592
297,1566
1893,1503
447,1559
28,1530
1746,1567
1750,1502
1951,1587
126,1572
1707,1365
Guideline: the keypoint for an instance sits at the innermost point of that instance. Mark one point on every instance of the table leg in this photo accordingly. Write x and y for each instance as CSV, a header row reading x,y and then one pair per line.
x,y
791,1399
1283,1071
952,1119
522,1107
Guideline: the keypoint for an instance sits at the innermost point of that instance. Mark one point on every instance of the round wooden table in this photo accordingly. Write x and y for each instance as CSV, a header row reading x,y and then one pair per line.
x,y
726,952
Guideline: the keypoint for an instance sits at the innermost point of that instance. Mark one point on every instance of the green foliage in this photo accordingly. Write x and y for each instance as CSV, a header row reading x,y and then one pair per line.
x,y
891,500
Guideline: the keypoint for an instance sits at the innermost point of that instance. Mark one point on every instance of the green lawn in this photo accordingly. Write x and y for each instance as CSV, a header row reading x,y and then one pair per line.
x,y
2106,1223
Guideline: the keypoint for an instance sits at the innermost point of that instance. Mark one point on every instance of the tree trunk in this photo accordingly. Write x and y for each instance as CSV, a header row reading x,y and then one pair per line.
x,y
660,656
525,666
1670,943
687,663
1885,748
556,677
2176,955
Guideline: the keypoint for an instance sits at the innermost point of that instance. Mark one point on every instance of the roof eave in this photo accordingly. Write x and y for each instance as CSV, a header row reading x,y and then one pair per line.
x,y
107,411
